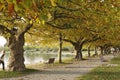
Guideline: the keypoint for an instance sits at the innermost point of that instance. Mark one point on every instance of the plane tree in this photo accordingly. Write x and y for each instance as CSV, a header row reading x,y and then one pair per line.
x,y
17,18
86,20
20,16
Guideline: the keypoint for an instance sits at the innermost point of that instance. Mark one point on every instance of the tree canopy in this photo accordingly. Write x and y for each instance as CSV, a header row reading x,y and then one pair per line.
x,y
79,22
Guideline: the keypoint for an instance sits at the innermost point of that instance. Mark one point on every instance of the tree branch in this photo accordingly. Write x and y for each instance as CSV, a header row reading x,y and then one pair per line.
x,y
28,26
74,3
64,26
57,14
67,40
4,29
69,9
95,38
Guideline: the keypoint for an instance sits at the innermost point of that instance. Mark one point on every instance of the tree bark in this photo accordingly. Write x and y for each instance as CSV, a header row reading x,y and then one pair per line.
x,y
89,51
96,53
15,43
16,59
78,49
79,55
102,49
60,49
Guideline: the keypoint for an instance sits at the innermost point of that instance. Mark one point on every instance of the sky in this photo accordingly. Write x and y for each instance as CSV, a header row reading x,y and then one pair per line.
x,y
3,41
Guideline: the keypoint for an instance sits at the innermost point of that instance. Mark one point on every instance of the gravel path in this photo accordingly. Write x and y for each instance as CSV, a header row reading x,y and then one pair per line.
x,y
67,72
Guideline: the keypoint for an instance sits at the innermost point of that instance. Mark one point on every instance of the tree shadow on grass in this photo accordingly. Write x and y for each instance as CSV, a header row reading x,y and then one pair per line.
x,y
8,74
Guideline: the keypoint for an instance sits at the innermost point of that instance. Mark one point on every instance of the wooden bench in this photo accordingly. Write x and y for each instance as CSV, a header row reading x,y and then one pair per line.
x,y
50,61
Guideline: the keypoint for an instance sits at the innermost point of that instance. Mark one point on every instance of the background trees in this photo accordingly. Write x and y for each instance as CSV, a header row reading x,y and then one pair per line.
x,y
88,20
78,21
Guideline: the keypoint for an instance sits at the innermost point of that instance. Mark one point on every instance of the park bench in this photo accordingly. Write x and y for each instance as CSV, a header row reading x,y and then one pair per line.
x,y
51,61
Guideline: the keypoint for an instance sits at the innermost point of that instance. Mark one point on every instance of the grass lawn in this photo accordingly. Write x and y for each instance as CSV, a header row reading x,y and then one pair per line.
x,y
7,74
32,68
104,72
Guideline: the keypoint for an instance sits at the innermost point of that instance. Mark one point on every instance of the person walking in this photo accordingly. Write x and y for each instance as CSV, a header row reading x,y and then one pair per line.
x,y
2,59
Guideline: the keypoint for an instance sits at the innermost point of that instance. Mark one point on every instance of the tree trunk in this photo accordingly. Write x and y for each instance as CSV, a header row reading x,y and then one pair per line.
x,y
105,50
79,55
60,49
102,50
89,51
16,59
78,49
96,53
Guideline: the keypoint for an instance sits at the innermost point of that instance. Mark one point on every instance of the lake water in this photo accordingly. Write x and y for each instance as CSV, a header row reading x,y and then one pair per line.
x,y
37,57
43,57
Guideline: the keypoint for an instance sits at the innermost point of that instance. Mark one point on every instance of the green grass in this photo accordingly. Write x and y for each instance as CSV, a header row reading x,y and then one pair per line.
x,y
39,66
104,72
116,60
7,74
69,60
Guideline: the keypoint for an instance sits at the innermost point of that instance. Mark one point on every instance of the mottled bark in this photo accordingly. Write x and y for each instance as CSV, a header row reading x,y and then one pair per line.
x,y
15,43
16,59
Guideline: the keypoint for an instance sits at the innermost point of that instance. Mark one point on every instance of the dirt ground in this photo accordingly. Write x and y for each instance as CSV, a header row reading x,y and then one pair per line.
x,y
66,72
